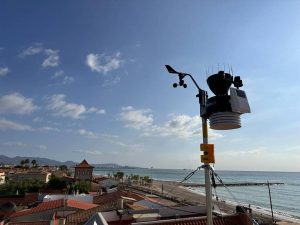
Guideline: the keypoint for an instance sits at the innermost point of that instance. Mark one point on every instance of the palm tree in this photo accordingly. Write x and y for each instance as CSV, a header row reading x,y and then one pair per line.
x,y
26,162
34,163
22,162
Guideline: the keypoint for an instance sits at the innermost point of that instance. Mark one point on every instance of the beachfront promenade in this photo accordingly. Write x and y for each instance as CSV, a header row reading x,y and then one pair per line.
x,y
179,193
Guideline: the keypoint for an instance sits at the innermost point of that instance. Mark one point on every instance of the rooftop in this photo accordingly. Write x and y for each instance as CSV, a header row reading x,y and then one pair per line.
x,y
44,206
84,164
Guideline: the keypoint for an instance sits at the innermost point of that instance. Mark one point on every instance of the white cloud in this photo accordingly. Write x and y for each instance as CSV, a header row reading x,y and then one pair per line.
x,y
47,128
53,58
91,152
65,79
103,63
10,125
61,108
15,144
16,103
42,147
72,110
181,126
87,133
58,74
68,80
137,119
4,71
125,108
96,110
32,50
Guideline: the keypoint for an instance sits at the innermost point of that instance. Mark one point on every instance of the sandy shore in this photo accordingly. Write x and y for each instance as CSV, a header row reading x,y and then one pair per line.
x,y
173,190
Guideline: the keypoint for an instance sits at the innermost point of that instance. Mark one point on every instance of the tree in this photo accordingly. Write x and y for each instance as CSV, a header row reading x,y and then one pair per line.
x,y
119,175
26,162
34,163
22,162
56,182
63,168
83,187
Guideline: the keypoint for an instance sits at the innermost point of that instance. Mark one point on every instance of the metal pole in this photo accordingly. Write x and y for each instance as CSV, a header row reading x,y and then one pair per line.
x,y
271,202
151,179
207,177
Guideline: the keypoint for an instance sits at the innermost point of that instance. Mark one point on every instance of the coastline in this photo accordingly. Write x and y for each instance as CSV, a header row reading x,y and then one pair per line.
x,y
174,189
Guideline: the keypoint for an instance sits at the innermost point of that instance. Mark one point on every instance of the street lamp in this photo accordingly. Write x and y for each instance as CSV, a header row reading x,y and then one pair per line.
x,y
222,110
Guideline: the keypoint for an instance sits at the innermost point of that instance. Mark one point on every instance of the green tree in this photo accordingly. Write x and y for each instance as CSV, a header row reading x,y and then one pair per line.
x,y
120,175
26,162
83,187
56,182
11,187
22,162
33,163
63,168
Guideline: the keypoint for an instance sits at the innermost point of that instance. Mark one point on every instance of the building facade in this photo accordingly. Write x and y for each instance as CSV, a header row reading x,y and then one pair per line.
x,y
83,171
31,175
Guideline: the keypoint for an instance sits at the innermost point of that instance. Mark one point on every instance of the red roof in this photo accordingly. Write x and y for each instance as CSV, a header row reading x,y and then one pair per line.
x,y
84,215
240,219
84,164
44,206
40,222
114,196
80,204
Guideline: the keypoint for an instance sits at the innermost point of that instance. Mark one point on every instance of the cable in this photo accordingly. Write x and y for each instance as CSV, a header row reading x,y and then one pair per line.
x,y
184,179
220,180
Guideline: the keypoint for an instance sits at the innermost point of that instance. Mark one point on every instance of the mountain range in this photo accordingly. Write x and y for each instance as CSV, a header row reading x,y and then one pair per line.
x,y
5,160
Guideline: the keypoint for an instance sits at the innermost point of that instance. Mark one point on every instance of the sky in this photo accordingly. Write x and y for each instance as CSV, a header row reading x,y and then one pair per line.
x,y
86,80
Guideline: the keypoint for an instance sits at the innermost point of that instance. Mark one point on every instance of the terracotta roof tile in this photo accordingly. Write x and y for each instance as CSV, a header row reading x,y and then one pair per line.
x,y
83,215
44,206
41,207
41,222
84,164
237,219
115,196
80,204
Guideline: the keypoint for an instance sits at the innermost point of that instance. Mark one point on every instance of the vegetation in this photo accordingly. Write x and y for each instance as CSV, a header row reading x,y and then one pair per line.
x,y
34,163
63,168
146,180
82,187
56,182
119,175
21,187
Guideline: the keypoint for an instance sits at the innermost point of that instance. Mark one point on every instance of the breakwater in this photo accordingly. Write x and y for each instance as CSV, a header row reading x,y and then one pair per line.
x,y
234,184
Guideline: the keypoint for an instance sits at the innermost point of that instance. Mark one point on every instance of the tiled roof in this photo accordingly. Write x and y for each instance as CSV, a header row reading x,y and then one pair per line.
x,y
136,206
41,222
84,164
237,219
44,206
80,205
83,216
115,196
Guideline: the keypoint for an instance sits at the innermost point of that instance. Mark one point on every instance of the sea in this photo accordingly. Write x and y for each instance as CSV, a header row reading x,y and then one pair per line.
x,y
285,198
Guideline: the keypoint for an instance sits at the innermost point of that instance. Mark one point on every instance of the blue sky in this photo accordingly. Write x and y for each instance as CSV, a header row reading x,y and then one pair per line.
x,y
87,80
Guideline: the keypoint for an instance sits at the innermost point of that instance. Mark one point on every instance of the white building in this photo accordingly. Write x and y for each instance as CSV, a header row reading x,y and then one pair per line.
x,y
2,177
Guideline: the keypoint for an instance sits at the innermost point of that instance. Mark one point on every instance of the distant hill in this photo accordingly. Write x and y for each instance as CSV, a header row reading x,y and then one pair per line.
x,y
113,166
41,161
45,161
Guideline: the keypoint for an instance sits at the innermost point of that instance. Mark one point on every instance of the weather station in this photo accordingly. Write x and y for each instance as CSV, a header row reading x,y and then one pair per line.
x,y
223,112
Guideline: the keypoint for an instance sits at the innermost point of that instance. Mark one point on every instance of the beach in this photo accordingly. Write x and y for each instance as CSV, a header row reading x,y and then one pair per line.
x,y
173,190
